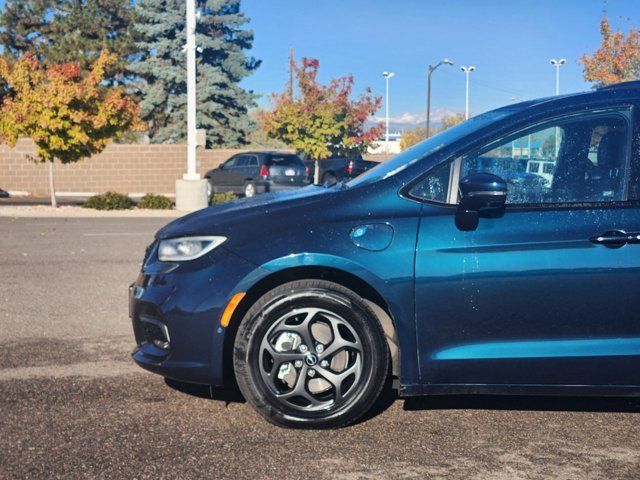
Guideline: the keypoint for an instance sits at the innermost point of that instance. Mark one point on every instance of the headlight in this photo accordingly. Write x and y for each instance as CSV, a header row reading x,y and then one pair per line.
x,y
187,248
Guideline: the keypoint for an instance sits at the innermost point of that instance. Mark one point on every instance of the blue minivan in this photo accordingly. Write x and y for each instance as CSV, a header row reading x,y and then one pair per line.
x,y
448,269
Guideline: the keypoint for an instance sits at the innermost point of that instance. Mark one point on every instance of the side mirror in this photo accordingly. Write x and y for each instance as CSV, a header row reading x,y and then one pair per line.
x,y
221,166
481,195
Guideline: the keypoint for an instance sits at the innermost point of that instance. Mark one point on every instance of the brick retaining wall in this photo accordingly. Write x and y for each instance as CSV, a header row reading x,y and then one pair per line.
x,y
122,168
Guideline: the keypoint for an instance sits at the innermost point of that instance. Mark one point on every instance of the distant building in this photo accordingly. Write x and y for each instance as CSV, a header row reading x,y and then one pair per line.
x,y
382,147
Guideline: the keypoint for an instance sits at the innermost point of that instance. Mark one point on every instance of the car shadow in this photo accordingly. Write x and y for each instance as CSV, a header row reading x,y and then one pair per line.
x,y
446,402
227,395
526,403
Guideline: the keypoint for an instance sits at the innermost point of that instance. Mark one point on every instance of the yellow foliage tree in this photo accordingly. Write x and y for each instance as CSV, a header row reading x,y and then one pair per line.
x,y
412,137
70,114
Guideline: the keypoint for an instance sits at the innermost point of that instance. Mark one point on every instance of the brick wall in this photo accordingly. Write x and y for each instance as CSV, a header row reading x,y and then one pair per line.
x,y
123,168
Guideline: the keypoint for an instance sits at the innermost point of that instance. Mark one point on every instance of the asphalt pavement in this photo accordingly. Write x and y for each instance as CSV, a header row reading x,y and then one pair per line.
x,y
73,405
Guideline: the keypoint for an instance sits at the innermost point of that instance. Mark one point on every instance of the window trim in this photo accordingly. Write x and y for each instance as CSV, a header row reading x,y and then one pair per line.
x,y
625,111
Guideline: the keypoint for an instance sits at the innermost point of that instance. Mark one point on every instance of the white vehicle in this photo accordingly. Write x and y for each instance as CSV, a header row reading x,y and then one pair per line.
x,y
544,168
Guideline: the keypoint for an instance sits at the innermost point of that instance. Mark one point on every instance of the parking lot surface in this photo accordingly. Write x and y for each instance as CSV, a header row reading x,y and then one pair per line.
x,y
73,405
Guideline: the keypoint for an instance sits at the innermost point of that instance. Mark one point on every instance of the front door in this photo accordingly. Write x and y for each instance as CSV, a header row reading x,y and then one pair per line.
x,y
546,294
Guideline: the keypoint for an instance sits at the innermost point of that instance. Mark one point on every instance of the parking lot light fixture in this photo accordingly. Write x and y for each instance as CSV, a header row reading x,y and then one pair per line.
x,y
558,64
387,76
432,68
467,71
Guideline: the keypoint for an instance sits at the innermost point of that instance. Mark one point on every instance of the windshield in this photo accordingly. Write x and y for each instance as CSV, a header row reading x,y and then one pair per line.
x,y
427,147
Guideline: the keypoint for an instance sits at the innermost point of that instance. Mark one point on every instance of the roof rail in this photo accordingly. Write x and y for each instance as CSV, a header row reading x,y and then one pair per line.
x,y
621,85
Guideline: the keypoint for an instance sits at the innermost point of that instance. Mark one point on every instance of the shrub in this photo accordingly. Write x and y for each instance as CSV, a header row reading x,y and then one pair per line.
x,y
223,197
155,202
109,201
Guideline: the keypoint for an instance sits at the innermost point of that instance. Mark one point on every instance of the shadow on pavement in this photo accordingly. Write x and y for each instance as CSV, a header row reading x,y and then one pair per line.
x,y
530,403
227,395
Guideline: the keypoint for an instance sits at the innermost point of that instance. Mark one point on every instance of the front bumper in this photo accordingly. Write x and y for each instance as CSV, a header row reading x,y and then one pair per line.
x,y
175,310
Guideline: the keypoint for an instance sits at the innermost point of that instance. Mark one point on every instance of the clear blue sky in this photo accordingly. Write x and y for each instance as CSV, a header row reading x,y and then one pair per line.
x,y
510,42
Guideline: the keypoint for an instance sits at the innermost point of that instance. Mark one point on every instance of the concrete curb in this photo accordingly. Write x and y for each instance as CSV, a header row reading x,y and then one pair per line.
x,y
39,211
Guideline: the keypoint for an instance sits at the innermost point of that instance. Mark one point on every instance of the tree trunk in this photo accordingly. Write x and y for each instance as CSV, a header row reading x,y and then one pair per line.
x,y
316,172
52,186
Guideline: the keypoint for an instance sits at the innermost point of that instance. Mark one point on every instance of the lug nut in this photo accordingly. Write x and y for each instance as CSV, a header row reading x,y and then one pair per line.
x,y
298,363
320,348
311,372
324,364
303,348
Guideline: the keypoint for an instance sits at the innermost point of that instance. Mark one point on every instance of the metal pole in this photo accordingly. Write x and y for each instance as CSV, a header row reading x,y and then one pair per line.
x,y
558,79
466,109
191,92
431,69
387,113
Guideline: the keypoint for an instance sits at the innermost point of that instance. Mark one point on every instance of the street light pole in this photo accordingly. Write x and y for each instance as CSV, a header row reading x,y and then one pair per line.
x,y
387,76
191,190
467,71
558,64
191,92
432,69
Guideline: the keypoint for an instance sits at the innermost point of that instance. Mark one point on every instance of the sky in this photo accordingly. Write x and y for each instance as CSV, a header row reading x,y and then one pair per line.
x,y
510,42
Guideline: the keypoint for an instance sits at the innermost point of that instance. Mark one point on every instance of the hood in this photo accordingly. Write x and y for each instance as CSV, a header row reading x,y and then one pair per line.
x,y
219,219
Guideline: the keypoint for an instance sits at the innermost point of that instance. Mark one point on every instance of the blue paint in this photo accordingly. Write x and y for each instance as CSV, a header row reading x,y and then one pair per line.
x,y
542,349
527,288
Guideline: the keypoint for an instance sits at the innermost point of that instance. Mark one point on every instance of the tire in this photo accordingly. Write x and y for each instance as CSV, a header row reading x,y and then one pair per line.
x,y
210,189
329,179
272,367
249,189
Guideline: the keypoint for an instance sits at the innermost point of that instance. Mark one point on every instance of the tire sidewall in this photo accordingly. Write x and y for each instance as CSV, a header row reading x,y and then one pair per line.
x,y
268,310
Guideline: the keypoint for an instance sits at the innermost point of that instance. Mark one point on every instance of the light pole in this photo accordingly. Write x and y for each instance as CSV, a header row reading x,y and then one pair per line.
x,y
432,69
387,76
558,64
467,71
191,190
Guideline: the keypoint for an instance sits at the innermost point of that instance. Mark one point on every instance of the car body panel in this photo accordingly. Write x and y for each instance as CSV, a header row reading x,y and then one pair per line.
x,y
524,304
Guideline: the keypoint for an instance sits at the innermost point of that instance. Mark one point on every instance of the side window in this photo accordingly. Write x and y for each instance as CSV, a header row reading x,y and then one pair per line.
x,y
253,161
576,160
243,161
231,162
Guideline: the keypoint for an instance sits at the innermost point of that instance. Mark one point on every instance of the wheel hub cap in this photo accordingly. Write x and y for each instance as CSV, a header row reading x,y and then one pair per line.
x,y
337,366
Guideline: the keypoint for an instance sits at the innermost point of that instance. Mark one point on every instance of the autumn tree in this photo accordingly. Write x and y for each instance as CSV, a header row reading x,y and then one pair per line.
x,y
411,137
617,59
322,120
68,112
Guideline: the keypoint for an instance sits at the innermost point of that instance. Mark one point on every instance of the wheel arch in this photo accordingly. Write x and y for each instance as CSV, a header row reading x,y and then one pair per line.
x,y
341,277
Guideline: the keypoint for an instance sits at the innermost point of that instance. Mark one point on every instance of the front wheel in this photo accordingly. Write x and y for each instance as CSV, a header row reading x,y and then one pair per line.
x,y
311,354
249,189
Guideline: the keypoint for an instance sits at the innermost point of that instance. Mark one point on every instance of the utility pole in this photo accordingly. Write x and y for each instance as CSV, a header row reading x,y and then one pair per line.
x,y
467,71
432,69
191,190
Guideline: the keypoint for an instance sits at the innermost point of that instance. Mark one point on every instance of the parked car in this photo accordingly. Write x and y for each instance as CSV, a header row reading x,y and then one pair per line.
x,y
423,268
4,193
335,169
257,172
543,168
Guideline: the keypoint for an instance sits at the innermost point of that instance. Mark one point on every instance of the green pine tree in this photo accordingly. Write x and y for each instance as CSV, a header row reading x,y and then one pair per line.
x,y
222,64
68,30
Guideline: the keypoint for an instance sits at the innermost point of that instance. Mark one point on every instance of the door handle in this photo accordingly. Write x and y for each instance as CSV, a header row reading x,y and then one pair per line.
x,y
615,238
